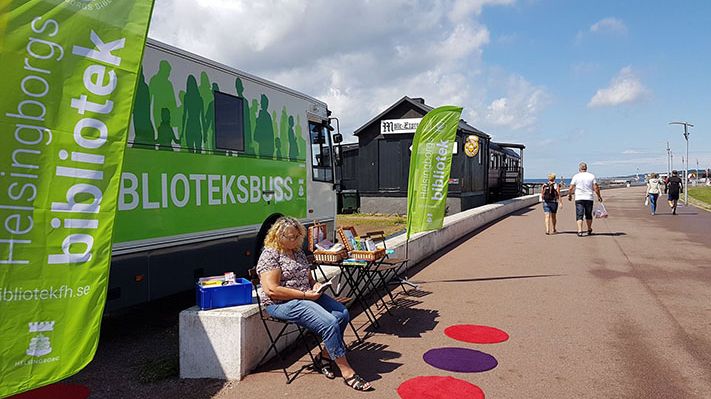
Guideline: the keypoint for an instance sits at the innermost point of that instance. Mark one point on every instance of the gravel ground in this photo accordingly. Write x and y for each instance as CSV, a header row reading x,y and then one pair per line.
x,y
138,356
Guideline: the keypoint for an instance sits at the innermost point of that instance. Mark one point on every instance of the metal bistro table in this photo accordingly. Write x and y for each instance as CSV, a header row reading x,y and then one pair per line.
x,y
361,276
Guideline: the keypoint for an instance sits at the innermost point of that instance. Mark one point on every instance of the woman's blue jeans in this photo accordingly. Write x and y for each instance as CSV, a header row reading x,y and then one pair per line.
x,y
653,202
324,316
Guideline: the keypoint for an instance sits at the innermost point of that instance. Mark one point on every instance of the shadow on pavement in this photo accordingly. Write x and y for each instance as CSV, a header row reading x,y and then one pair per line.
x,y
522,212
377,358
407,322
595,233
467,280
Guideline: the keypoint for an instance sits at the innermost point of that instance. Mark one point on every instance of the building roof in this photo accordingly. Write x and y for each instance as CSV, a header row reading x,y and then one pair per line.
x,y
349,146
504,147
512,145
511,153
419,103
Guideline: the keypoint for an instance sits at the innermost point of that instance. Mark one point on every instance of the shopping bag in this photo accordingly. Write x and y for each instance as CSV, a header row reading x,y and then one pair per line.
x,y
646,201
600,212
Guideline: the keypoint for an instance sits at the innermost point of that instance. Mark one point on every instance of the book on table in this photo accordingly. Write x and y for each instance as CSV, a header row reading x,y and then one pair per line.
x,y
354,262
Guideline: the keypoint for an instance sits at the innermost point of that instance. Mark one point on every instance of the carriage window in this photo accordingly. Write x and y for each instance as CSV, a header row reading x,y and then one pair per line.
x,y
229,126
320,152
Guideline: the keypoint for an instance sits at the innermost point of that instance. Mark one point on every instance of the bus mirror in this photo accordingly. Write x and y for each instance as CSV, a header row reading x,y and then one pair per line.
x,y
337,138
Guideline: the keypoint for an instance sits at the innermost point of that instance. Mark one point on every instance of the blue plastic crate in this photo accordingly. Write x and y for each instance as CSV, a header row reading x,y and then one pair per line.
x,y
223,296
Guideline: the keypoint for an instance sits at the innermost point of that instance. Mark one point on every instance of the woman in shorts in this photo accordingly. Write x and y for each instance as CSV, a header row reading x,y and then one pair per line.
x,y
550,195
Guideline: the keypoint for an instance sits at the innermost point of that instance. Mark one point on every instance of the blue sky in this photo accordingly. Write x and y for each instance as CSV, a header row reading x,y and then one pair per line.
x,y
558,45
594,81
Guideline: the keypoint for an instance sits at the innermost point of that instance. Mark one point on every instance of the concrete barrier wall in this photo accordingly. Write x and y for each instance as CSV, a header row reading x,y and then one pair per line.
x,y
456,226
227,343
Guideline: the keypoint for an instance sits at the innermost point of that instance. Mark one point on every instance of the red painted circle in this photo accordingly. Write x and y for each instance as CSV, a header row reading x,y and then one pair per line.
x,y
476,334
432,387
56,391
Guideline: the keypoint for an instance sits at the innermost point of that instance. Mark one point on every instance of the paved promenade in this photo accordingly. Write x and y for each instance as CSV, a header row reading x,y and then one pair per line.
x,y
625,313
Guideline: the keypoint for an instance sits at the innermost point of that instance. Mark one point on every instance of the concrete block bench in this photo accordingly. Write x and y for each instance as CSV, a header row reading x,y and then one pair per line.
x,y
226,343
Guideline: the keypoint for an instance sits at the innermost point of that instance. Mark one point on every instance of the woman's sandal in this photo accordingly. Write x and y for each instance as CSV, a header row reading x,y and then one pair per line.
x,y
358,383
325,367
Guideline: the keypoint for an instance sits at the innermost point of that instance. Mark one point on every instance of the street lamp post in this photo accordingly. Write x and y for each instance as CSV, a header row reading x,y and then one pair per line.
x,y
687,125
668,161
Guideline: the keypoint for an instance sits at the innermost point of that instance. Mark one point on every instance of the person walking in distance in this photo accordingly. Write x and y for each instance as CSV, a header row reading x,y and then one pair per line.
x,y
550,194
674,187
654,188
583,185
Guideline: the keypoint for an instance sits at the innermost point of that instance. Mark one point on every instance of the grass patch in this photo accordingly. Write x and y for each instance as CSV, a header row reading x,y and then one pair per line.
x,y
364,223
702,194
155,370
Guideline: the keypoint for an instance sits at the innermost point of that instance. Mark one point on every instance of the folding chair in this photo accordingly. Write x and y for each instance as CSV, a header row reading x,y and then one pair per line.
x,y
274,338
390,265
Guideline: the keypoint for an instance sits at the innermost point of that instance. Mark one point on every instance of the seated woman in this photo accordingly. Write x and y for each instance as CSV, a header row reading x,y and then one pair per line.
x,y
289,293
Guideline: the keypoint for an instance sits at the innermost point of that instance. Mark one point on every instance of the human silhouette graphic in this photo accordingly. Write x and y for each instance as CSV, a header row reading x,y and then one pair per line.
x,y
247,119
142,125
193,116
179,117
277,143
301,142
166,136
254,110
163,94
209,135
208,97
275,129
264,132
283,129
293,145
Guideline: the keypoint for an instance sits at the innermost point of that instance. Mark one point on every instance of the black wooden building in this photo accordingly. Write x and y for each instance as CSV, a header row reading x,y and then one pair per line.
x,y
378,165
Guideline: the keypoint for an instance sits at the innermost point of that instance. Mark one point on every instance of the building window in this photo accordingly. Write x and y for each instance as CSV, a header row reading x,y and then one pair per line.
x,y
229,126
321,160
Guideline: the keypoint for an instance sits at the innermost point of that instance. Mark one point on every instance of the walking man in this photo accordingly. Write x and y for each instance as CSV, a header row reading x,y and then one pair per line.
x,y
674,187
583,184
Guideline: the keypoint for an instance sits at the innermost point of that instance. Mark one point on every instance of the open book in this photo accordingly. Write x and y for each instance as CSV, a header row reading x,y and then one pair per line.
x,y
324,286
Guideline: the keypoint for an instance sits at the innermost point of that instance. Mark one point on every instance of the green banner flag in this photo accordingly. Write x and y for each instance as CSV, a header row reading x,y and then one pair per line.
x,y
69,70
430,164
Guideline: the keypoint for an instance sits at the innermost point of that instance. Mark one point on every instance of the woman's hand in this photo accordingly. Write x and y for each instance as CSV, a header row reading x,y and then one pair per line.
x,y
316,286
312,295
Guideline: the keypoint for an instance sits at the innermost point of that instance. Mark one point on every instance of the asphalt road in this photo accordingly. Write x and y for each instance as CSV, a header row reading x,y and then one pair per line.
x,y
625,313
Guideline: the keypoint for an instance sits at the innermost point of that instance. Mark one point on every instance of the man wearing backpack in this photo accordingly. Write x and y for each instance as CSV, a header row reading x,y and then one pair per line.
x,y
550,194
583,185
674,187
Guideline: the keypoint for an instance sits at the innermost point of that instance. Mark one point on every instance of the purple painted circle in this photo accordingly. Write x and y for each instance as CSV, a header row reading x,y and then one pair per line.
x,y
460,360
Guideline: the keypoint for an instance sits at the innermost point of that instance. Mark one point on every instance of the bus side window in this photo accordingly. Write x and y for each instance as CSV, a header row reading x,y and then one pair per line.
x,y
229,126
321,160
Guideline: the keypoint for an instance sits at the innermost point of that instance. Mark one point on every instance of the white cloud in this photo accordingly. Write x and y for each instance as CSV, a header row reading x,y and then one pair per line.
x,y
628,152
609,25
520,107
464,8
624,88
357,56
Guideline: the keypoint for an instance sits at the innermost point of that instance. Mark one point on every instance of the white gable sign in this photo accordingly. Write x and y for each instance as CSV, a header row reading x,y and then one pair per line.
x,y
397,126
